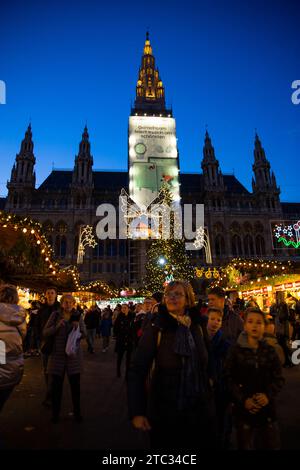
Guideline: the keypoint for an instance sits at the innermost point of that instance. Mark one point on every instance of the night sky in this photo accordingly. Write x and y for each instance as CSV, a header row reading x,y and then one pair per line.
x,y
225,64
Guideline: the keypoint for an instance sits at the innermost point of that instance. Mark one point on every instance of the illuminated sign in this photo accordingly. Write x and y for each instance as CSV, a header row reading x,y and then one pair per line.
x,y
286,234
152,157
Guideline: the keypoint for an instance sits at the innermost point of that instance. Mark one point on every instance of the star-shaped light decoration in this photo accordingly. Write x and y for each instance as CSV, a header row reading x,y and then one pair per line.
x,y
86,238
199,240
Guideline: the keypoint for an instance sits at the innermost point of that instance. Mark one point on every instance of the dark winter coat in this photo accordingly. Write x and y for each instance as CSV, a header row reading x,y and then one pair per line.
x,y
124,332
249,371
91,320
219,349
43,316
106,326
12,333
59,362
162,405
138,325
232,325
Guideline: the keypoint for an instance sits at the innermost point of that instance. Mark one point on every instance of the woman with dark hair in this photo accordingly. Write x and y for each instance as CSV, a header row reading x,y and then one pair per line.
x,y
12,333
179,409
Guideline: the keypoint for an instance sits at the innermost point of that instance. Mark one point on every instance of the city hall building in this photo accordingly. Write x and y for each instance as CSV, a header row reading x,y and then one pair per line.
x,y
238,223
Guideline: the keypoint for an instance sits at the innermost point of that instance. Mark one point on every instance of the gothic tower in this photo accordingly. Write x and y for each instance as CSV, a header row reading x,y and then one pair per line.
x,y
212,175
152,154
150,92
82,177
264,184
22,181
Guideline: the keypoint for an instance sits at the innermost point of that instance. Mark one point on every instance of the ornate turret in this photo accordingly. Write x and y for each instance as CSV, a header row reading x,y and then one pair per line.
x,y
82,178
83,174
150,92
213,178
22,180
264,182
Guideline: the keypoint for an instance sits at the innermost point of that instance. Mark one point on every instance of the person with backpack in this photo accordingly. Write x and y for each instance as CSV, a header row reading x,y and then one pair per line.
x,y
171,356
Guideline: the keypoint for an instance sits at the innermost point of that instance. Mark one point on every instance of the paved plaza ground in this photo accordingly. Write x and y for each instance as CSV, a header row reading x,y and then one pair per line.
x,y
26,424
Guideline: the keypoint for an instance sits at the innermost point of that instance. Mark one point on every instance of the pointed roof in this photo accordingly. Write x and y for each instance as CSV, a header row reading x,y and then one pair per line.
x,y
27,144
147,46
150,92
84,145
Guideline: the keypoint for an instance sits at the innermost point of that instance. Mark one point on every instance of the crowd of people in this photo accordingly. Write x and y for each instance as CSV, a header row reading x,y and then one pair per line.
x,y
194,371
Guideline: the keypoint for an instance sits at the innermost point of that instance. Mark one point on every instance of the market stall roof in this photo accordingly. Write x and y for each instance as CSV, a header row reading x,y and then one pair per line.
x,y
26,260
25,253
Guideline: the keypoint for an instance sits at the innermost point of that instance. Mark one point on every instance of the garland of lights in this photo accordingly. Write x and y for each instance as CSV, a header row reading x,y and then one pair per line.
x,y
239,271
32,228
73,271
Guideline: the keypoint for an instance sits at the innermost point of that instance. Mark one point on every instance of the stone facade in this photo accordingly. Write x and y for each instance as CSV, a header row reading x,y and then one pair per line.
x,y
238,222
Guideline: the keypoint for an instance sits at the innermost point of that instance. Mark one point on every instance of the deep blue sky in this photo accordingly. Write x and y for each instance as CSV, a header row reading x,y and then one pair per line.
x,y
225,64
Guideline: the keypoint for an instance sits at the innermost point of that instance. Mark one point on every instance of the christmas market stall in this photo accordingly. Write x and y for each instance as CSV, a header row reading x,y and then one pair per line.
x,y
27,261
260,280
26,258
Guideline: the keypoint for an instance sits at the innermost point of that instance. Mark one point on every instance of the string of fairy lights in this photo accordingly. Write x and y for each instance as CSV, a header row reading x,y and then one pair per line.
x,y
34,229
251,271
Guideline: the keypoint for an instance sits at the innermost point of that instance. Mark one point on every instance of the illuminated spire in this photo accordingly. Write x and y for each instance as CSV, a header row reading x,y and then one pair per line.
x,y
150,92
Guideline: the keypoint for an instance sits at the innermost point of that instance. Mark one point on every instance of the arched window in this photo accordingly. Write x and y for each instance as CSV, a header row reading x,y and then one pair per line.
x,y
98,251
247,227
48,227
61,227
248,245
15,200
60,246
50,240
219,227
235,228
122,248
258,227
108,247
260,245
219,245
236,245
76,241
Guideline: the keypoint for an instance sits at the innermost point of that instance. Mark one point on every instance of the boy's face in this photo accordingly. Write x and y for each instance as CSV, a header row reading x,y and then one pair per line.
x,y
255,326
214,322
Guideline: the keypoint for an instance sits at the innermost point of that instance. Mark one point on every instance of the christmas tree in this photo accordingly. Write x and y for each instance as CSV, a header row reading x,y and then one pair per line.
x,y
167,259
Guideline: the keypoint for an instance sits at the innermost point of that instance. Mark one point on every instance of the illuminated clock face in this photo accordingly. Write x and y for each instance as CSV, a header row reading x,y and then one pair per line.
x,y
140,148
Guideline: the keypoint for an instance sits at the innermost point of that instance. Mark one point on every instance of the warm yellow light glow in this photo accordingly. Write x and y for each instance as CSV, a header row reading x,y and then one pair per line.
x,y
147,48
